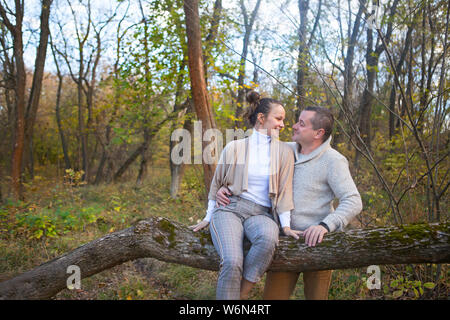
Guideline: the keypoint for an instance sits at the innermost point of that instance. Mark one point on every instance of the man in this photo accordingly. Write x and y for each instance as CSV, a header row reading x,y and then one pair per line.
x,y
321,174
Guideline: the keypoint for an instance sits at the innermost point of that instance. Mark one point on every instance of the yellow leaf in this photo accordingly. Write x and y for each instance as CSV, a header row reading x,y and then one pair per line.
x,y
129,298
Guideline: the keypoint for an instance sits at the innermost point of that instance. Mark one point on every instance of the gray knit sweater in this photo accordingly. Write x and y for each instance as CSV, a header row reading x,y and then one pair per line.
x,y
319,178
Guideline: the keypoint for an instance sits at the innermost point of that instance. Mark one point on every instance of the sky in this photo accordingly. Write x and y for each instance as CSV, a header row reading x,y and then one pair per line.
x,y
279,18
61,12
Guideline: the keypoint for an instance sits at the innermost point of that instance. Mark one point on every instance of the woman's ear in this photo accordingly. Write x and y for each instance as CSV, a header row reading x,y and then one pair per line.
x,y
260,117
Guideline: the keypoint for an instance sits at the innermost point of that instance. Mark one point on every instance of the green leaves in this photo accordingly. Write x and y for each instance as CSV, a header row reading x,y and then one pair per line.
x,y
37,223
412,288
397,294
429,285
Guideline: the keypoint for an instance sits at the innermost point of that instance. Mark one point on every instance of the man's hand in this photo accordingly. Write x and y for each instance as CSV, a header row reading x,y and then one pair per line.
x,y
199,226
292,233
314,235
222,196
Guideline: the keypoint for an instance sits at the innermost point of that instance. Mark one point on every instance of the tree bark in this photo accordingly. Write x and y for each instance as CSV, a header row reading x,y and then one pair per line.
x,y
82,38
303,8
303,51
248,24
198,84
393,95
35,93
58,121
19,95
173,242
131,159
210,40
68,165
149,134
145,157
348,72
177,170
372,59
106,152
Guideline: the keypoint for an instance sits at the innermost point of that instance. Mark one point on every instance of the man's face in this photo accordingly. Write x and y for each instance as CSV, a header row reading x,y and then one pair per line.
x,y
303,132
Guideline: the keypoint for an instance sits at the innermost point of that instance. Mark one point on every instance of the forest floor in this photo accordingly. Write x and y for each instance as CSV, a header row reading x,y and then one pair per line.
x,y
58,216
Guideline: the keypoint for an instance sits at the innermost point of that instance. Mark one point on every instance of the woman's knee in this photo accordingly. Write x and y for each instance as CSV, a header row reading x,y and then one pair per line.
x,y
232,263
267,238
264,231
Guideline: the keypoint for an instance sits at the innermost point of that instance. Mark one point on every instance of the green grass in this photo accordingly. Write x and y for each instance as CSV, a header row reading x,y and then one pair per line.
x,y
58,217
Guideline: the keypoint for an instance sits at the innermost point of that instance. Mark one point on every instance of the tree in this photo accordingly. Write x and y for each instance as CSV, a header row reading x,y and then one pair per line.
x,y
149,79
33,102
198,83
177,170
248,27
348,56
83,71
67,162
372,57
409,148
169,241
25,112
304,44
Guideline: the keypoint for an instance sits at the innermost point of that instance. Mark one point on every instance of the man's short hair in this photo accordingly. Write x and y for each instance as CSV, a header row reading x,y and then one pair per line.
x,y
323,119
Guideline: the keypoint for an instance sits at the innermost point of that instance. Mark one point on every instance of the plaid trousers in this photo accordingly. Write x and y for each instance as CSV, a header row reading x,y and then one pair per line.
x,y
229,225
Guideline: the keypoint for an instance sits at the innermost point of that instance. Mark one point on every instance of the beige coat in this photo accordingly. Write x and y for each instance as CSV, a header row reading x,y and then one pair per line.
x,y
232,172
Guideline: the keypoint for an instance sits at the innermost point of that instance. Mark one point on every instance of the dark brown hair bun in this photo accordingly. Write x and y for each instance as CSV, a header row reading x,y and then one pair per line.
x,y
257,105
253,97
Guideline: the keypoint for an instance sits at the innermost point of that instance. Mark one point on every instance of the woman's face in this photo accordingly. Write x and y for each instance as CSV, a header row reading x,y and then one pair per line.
x,y
273,122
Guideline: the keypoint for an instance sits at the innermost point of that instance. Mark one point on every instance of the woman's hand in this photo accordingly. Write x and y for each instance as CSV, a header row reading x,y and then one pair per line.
x,y
222,196
292,233
199,226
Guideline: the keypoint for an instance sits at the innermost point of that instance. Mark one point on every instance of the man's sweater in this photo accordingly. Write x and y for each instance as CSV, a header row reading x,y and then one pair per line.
x,y
319,178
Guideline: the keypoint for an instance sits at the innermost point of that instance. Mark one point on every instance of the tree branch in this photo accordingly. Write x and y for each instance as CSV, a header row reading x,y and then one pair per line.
x,y
173,242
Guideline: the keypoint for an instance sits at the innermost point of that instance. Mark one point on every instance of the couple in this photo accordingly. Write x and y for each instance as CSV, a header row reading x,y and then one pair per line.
x,y
261,183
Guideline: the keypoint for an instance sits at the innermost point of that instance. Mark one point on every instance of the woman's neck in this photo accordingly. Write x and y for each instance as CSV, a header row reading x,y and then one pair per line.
x,y
262,131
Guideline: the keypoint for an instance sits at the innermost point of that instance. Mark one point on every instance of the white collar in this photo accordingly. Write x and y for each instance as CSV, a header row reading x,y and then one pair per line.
x,y
260,137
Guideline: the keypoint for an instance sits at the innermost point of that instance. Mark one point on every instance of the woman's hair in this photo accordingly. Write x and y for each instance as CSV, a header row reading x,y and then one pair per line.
x,y
258,105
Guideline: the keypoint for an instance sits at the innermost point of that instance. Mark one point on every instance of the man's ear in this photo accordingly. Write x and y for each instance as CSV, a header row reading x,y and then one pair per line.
x,y
319,134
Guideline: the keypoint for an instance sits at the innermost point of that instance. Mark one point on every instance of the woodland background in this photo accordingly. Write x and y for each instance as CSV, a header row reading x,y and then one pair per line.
x,y
90,94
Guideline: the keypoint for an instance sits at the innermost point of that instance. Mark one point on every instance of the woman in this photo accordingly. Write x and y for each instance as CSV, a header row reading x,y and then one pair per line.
x,y
258,173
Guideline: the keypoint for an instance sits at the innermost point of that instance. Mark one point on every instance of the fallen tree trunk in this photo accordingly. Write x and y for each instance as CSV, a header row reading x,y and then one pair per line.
x,y
169,241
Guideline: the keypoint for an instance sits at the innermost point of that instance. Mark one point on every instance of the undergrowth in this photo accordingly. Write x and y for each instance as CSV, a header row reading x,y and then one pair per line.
x,y
60,215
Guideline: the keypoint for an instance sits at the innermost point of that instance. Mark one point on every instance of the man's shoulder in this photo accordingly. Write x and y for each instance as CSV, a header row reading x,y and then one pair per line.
x,y
292,145
286,148
333,155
